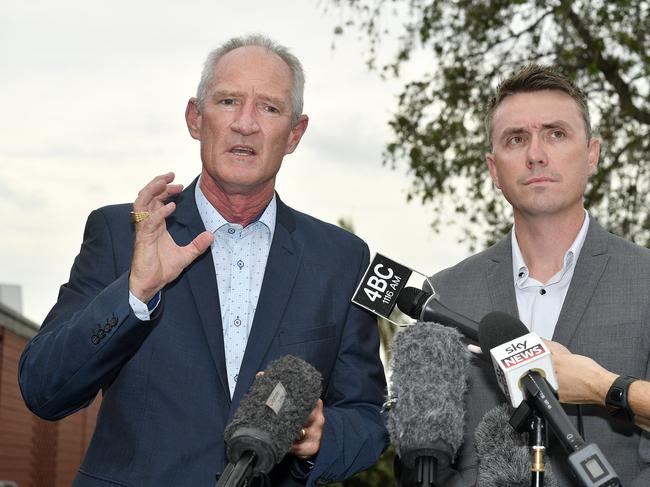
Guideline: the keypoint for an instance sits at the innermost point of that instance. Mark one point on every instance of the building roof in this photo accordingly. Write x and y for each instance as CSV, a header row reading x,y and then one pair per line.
x,y
14,321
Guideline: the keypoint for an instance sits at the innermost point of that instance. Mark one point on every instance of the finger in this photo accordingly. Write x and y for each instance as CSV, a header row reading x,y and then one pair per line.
x,y
155,221
475,349
155,192
556,348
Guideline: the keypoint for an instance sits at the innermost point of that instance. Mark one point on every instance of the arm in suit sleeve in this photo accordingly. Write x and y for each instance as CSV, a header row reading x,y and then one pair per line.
x,y
643,479
89,333
354,435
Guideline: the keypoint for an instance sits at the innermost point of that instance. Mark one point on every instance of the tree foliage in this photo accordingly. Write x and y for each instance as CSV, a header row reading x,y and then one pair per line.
x,y
466,47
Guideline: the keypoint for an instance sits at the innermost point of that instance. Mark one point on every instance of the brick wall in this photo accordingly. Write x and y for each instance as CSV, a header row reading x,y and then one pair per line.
x,y
33,452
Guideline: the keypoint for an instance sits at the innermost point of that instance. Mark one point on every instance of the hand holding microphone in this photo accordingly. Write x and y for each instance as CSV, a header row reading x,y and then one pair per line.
x,y
269,419
512,347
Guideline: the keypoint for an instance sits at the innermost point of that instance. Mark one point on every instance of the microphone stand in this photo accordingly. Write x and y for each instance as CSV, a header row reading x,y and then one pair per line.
x,y
525,419
538,445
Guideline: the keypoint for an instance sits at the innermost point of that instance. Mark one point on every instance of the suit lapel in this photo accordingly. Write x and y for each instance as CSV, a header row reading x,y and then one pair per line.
x,y
281,270
184,225
500,283
589,269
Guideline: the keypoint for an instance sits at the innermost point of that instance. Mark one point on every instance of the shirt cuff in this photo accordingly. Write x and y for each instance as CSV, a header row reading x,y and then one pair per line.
x,y
141,310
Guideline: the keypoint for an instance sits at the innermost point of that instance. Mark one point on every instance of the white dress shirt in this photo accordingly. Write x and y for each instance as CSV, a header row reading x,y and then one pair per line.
x,y
539,304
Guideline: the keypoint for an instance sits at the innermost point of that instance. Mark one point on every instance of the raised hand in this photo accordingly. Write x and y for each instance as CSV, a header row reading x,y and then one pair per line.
x,y
157,259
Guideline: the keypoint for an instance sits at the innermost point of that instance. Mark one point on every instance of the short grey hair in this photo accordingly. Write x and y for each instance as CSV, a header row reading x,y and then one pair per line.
x,y
255,40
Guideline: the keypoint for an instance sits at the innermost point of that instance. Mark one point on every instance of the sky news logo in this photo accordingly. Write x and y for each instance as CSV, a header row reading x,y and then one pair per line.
x,y
523,356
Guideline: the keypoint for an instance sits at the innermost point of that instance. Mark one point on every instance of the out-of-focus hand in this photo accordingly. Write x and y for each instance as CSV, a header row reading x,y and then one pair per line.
x,y
309,445
157,259
581,380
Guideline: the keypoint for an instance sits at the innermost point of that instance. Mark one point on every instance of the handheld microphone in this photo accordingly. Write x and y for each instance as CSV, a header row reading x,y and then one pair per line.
x,y
269,419
586,460
514,351
429,380
423,306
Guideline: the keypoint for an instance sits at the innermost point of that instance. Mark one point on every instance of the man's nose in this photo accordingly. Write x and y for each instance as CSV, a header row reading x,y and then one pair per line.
x,y
245,121
536,153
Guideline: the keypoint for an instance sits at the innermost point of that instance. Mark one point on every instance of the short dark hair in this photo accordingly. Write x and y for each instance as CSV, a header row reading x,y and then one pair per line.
x,y
535,77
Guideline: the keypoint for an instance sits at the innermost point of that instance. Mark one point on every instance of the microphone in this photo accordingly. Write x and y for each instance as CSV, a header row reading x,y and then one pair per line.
x,y
269,419
423,306
586,460
504,456
429,381
514,351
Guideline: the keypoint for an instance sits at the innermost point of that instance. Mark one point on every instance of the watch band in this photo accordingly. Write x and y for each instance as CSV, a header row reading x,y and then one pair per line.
x,y
616,399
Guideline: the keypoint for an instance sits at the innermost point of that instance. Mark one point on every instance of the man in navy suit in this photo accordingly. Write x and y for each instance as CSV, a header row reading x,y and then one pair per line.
x,y
173,334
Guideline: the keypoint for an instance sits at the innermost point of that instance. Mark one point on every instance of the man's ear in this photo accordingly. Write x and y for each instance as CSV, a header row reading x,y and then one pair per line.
x,y
594,155
193,118
296,134
489,159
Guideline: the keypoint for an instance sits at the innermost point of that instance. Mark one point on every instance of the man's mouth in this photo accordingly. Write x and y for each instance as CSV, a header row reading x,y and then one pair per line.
x,y
539,179
243,150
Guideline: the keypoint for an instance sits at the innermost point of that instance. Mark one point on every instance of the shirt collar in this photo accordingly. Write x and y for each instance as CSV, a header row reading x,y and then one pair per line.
x,y
519,267
213,220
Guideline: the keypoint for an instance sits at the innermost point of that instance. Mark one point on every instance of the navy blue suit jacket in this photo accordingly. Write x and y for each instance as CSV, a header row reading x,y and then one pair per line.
x,y
165,391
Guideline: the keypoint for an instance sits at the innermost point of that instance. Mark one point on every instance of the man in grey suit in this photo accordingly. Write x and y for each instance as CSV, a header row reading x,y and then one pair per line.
x,y
558,270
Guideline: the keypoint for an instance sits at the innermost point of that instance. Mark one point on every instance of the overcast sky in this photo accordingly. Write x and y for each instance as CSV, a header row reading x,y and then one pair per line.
x,y
93,96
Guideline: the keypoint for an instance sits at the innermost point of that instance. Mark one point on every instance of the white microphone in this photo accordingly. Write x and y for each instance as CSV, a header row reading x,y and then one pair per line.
x,y
514,359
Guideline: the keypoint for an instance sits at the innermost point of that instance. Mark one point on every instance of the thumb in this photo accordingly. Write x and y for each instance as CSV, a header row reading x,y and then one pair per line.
x,y
197,246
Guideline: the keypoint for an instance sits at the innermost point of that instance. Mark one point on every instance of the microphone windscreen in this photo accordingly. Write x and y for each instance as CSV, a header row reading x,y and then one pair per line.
x,y
504,455
429,380
411,300
497,328
271,414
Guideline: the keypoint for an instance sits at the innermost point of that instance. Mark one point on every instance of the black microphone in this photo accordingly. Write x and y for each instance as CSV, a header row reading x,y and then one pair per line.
x,y
586,460
504,455
424,306
429,382
269,419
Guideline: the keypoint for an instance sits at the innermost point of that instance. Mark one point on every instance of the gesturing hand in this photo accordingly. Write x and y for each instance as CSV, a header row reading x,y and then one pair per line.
x,y
157,259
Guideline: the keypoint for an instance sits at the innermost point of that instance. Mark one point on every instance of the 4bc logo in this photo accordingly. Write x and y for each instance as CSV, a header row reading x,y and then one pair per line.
x,y
381,284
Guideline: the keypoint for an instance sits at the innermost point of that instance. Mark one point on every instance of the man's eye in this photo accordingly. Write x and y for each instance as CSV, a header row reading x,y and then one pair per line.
x,y
227,101
515,140
270,109
557,134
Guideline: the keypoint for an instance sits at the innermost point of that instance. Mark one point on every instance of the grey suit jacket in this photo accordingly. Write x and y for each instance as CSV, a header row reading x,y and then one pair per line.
x,y
605,316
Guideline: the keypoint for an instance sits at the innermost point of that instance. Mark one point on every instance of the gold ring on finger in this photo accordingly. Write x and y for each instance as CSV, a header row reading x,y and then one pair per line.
x,y
302,435
138,216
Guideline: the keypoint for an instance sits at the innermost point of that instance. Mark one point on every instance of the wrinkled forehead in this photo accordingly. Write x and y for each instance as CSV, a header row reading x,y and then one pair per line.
x,y
253,67
533,110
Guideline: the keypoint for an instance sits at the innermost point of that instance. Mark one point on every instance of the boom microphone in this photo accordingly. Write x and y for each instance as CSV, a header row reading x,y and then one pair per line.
x,y
504,456
423,306
429,380
269,419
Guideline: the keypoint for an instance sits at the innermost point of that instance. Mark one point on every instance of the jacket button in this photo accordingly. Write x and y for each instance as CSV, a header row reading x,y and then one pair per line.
x,y
94,339
101,333
108,327
113,320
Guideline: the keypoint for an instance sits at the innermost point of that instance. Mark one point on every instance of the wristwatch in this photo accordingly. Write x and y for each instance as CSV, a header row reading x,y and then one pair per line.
x,y
616,399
